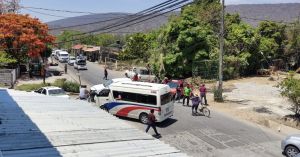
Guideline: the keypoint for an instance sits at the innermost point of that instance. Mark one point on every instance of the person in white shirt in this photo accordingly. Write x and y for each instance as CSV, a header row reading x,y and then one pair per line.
x,y
83,92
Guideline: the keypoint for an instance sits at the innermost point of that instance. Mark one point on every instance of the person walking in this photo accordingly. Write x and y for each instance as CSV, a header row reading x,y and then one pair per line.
x,y
186,94
195,103
151,122
203,94
105,73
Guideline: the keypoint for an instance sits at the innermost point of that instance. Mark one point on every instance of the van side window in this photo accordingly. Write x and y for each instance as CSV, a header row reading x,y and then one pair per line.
x,y
133,97
104,93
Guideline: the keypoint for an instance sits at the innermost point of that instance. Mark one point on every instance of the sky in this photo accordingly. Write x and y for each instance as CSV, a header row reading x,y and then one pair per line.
x,y
105,6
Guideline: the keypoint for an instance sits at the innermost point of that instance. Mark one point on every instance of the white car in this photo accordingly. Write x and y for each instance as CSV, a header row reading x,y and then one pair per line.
x,y
143,74
291,146
96,89
71,60
52,91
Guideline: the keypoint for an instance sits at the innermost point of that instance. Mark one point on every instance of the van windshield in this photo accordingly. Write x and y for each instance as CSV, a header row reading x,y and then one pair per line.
x,y
64,55
165,98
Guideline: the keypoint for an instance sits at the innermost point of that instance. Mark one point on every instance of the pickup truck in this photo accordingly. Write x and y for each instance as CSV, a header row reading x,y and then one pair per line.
x,y
143,74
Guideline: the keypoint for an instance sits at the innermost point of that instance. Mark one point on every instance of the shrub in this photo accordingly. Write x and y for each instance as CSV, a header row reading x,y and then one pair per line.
x,y
290,88
59,82
69,86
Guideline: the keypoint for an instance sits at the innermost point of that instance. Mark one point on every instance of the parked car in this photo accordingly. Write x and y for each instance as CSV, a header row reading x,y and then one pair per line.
x,y
291,146
96,89
71,60
143,74
52,91
80,64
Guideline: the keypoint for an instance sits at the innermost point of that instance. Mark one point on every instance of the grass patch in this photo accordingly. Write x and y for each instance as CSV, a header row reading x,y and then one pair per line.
x,y
68,86
31,87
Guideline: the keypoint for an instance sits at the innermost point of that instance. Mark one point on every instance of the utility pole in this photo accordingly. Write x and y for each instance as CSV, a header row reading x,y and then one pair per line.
x,y
220,85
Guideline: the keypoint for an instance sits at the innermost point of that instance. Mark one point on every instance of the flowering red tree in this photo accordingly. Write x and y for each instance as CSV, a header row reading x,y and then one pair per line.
x,y
22,36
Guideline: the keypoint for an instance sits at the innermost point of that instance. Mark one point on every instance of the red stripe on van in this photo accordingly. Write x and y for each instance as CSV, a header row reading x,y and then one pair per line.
x,y
124,111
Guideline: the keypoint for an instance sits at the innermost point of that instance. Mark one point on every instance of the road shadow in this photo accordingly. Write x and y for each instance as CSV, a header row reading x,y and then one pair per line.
x,y
199,115
19,135
166,123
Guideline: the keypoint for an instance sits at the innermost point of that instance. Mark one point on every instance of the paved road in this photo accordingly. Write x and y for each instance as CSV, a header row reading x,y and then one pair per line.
x,y
95,73
217,136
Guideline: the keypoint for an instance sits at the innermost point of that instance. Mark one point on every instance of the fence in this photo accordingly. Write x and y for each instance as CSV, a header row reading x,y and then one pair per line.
x,y
8,77
207,69
111,62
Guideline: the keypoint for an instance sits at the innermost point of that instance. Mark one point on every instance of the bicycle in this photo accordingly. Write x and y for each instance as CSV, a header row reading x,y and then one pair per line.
x,y
204,110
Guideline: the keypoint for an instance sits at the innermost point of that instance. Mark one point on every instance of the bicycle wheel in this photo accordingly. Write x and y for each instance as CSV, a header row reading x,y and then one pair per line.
x,y
206,111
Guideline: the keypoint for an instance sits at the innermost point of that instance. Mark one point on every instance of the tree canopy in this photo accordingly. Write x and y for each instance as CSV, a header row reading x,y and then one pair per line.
x,y
22,36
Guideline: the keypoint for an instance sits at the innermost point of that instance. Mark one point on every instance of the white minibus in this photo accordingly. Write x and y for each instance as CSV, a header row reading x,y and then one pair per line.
x,y
136,99
63,56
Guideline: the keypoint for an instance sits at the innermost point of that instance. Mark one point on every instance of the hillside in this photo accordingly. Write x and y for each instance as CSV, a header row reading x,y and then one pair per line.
x,y
250,13
275,12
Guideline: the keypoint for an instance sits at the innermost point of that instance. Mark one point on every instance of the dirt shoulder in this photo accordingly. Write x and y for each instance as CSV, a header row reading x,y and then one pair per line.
x,y
263,107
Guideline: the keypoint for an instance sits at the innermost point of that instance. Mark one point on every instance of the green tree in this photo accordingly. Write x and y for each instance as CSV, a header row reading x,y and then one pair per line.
x,y
272,39
136,47
290,88
65,37
240,46
293,46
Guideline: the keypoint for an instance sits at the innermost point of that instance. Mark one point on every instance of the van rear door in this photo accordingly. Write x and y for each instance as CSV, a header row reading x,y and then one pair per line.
x,y
167,105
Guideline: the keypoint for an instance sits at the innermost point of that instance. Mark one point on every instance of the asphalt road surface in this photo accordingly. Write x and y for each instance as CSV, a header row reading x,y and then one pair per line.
x,y
217,136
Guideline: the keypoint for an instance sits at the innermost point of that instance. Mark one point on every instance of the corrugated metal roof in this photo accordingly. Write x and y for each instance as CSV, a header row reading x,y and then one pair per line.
x,y
37,125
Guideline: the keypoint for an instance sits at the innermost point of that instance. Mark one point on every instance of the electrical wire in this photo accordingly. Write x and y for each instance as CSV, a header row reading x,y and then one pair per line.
x,y
57,10
44,13
124,18
125,25
132,19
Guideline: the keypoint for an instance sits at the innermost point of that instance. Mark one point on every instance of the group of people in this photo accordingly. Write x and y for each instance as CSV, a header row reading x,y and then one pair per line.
x,y
196,100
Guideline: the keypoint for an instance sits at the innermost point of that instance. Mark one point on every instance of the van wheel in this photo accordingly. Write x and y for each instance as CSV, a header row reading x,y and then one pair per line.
x,y
144,118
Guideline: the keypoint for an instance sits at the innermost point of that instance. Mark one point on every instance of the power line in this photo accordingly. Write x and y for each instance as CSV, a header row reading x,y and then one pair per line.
x,y
126,25
84,24
57,10
126,17
133,19
43,13
125,22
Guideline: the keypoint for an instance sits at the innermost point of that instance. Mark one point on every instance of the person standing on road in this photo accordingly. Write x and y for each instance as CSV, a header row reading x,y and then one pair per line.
x,y
186,94
151,122
195,103
105,73
203,93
